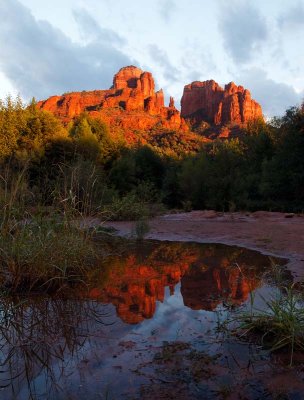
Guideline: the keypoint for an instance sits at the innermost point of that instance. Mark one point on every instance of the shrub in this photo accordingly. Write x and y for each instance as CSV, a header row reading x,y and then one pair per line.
x,y
126,208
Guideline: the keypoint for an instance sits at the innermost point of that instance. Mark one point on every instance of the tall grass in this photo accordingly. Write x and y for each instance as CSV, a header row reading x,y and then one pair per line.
x,y
81,190
44,254
14,194
38,251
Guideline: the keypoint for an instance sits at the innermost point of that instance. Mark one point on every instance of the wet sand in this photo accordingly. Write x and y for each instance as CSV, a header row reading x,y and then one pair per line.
x,y
271,233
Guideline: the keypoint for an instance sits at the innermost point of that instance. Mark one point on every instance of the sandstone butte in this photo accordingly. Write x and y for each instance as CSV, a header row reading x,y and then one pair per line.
x,y
208,101
130,104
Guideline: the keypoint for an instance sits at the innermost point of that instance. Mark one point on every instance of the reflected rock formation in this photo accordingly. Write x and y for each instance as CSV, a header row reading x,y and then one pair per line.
x,y
134,286
209,275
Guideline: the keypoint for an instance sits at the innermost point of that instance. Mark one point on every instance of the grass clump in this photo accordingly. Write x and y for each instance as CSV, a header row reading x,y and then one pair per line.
x,y
281,324
141,228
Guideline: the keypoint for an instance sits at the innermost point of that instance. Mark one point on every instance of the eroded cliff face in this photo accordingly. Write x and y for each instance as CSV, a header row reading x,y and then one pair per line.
x,y
208,101
131,103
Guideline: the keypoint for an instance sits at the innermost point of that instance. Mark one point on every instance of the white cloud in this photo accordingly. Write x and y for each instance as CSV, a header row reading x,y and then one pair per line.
x,y
160,57
90,30
167,8
293,18
40,60
274,97
243,29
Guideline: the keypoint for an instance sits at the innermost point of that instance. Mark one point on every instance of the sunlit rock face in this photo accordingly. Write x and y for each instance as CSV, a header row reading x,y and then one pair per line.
x,y
208,101
131,103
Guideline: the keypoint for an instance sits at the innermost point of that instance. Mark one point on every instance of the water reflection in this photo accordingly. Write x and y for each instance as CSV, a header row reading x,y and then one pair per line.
x,y
40,338
209,275
81,344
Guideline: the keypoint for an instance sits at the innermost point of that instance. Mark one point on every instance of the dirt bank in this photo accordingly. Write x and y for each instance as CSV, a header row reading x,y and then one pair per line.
x,y
269,232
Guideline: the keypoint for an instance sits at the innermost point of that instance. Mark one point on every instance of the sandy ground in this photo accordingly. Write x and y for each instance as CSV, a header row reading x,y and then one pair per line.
x,y
272,233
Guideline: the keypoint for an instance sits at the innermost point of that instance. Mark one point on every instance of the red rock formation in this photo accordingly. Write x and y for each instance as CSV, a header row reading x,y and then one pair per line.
x,y
127,77
132,100
207,101
171,103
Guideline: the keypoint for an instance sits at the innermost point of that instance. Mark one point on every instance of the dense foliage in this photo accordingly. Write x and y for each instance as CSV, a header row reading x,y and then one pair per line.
x,y
82,164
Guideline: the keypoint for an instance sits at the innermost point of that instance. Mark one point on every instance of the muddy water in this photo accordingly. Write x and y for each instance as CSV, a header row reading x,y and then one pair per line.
x,y
150,325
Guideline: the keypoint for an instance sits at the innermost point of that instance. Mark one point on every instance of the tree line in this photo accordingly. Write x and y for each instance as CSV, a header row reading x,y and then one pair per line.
x,y
261,169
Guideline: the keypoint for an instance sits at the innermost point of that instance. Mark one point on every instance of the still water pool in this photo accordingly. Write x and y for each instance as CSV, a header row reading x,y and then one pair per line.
x,y
149,323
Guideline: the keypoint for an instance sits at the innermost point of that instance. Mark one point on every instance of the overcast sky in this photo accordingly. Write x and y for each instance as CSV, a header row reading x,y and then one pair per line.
x,y
52,47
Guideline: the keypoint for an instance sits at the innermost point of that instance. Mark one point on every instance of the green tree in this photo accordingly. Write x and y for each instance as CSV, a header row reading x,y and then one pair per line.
x,y
283,174
93,139
12,121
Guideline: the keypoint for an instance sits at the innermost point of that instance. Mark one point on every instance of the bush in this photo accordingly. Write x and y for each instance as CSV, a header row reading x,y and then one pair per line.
x,y
126,208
